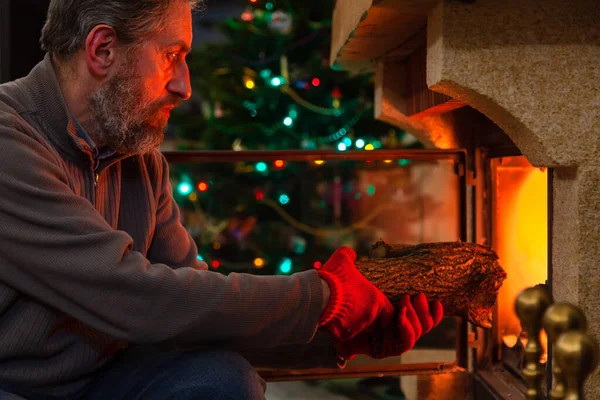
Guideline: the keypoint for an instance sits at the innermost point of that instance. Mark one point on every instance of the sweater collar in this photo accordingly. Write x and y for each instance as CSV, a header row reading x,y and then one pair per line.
x,y
51,106
58,123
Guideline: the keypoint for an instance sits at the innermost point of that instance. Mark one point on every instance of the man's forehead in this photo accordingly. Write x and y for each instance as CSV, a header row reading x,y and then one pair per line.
x,y
178,26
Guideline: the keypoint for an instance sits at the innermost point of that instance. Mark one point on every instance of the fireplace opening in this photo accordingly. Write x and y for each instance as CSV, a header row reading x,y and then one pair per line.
x,y
512,211
520,237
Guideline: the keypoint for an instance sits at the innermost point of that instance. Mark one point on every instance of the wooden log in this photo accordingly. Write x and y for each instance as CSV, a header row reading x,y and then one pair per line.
x,y
465,277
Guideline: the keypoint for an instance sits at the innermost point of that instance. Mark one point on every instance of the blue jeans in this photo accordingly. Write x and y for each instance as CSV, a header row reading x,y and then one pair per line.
x,y
147,374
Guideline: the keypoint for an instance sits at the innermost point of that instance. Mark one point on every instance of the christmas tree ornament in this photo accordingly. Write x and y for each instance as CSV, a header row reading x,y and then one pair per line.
x,y
297,244
218,110
237,145
281,22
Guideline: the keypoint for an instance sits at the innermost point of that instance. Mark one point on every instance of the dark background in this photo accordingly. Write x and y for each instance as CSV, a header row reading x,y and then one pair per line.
x,y
20,25
21,22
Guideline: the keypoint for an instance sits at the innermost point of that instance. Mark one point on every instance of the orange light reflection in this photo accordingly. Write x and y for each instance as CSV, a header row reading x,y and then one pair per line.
x,y
521,232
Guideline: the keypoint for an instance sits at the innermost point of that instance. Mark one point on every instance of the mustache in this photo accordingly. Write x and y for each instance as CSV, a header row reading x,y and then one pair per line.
x,y
172,102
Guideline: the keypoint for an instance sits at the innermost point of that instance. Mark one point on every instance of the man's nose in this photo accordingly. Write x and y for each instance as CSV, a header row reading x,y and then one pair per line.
x,y
179,84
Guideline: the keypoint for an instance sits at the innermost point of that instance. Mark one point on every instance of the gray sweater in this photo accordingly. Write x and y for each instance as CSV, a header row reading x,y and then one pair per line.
x,y
93,261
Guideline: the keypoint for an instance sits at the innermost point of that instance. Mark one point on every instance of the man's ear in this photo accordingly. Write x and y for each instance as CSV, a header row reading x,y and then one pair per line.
x,y
100,50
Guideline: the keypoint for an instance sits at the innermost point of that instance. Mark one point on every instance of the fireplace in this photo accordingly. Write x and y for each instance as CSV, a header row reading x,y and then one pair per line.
x,y
401,196
529,69
513,209
489,194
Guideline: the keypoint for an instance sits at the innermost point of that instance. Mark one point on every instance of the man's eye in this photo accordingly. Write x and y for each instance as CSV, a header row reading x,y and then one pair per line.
x,y
172,57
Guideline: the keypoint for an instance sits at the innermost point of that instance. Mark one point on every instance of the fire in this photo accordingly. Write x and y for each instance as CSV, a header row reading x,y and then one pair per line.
x,y
521,239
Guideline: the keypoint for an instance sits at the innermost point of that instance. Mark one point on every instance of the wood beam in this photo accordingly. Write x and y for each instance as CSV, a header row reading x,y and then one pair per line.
x,y
367,30
403,99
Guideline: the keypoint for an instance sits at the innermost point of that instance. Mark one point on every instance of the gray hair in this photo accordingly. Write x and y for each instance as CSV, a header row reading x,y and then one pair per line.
x,y
70,21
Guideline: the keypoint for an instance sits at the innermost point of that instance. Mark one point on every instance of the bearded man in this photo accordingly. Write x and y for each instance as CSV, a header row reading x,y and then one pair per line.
x,y
101,292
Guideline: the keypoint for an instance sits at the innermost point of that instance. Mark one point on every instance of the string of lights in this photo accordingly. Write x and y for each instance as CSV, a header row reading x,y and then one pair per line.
x,y
309,106
343,131
285,73
322,232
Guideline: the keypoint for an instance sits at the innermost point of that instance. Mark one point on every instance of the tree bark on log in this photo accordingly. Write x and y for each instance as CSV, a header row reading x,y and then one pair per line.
x,y
465,277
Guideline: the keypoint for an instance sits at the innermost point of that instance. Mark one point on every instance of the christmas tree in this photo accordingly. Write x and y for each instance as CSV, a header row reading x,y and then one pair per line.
x,y
269,86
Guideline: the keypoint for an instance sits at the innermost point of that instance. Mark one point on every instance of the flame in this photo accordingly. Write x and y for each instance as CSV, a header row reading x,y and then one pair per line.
x,y
521,238
510,340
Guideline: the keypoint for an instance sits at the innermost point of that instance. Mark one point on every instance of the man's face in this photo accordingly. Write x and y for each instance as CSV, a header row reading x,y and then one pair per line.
x,y
131,109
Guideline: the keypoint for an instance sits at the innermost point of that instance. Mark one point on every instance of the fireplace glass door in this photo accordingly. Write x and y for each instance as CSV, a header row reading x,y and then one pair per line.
x,y
276,213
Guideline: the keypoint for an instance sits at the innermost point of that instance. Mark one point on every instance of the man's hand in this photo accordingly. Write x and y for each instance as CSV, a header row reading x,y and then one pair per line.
x,y
415,318
354,302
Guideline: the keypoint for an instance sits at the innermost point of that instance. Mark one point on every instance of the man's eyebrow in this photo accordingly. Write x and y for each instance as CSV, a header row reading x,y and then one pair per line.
x,y
184,47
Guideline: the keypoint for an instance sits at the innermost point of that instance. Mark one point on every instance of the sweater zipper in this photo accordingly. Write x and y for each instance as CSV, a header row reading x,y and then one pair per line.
x,y
96,179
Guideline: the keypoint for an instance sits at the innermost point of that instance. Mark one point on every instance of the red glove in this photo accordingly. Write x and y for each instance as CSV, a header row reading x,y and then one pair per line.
x,y
354,302
414,320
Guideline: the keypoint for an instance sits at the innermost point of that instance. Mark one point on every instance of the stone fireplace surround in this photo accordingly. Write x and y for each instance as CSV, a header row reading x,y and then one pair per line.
x,y
533,69
526,72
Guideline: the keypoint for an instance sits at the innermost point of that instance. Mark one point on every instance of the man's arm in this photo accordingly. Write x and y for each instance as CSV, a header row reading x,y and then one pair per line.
x,y
173,246
56,248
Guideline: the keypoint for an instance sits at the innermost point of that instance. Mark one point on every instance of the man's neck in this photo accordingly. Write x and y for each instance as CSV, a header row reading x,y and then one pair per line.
x,y
76,93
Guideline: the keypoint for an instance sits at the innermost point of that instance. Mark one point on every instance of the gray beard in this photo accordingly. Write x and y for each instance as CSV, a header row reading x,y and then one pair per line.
x,y
121,118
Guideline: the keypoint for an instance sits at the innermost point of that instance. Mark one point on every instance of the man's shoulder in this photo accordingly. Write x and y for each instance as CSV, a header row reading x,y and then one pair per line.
x,y
13,99
16,107
13,115
17,119
11,118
